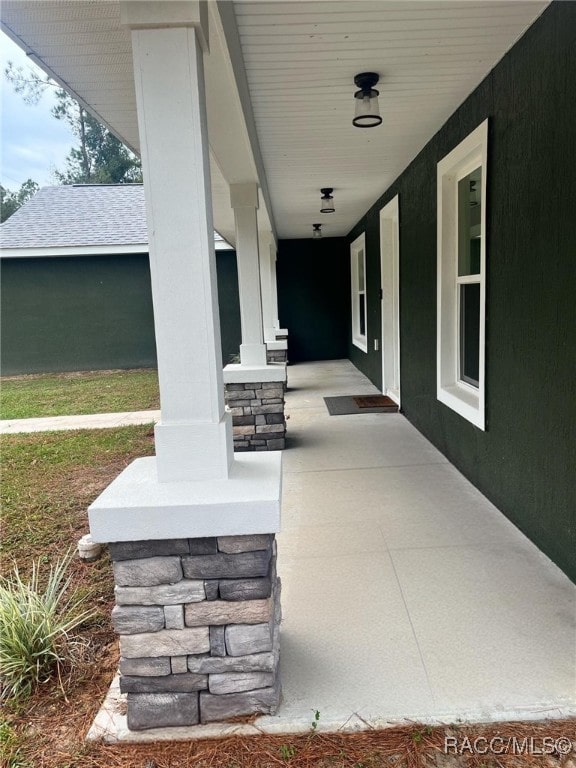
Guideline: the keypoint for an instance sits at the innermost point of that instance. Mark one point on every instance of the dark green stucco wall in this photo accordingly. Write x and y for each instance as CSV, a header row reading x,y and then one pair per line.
x,y
525,461
91,312
76,313
314,297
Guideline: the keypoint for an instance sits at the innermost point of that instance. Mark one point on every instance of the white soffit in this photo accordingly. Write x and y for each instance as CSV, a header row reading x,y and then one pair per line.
x,y
300,60
83,46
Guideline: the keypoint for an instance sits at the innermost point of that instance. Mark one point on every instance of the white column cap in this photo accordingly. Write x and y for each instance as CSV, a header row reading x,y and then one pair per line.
x,y
244,195
148,14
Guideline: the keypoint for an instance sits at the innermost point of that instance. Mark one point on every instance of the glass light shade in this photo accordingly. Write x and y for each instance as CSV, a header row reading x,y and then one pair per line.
x,y
367,110
327,204
473,193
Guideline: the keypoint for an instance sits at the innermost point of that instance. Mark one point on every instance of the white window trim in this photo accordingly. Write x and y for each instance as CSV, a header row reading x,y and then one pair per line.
x,y
390,272
466,400
358,339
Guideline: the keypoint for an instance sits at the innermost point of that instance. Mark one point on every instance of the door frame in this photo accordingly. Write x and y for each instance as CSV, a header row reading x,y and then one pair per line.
x,y
390,298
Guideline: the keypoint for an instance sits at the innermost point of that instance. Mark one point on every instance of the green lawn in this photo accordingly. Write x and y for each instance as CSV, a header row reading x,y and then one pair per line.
x,y
48,481
65,394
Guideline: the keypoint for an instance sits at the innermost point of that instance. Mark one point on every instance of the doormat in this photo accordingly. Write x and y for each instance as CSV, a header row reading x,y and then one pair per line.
x,y
347,405
375,401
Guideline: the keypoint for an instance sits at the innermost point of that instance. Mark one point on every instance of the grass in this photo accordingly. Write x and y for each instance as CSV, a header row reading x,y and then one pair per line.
x,y
48,481
64,394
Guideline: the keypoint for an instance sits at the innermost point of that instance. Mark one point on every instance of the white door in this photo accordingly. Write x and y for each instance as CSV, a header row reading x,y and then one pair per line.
x,y
390,271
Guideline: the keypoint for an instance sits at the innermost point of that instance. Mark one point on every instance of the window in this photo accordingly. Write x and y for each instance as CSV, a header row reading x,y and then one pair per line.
x,y
358,274
461,182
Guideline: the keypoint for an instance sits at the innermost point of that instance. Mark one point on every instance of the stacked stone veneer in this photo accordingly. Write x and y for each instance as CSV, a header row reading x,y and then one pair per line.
x,y
258,422
277,355
199,628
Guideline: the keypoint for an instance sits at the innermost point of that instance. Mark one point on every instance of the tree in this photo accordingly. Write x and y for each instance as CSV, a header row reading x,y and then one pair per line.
x,y
11,201
100,157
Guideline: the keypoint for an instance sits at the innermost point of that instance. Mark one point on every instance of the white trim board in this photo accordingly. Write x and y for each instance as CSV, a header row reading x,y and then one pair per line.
x,y
71,250
390,283
86,250
357,252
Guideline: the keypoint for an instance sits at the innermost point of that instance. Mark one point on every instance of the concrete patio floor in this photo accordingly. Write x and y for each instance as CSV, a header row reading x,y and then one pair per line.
x,y
406,594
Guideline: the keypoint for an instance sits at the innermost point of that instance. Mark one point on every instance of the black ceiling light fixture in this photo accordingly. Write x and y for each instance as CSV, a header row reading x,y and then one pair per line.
x,y
316,231
367,111
473,192
327,200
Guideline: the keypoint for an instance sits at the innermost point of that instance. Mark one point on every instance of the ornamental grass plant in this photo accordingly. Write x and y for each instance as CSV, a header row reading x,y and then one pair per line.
x,y
37,618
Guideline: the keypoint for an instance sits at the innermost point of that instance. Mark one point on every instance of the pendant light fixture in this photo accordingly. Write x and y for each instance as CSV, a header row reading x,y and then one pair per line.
x,y
317,231
327,200
367,111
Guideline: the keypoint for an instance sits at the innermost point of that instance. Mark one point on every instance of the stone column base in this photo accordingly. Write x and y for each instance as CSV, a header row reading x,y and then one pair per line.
x,y
257,408
198,621
277,356
277,351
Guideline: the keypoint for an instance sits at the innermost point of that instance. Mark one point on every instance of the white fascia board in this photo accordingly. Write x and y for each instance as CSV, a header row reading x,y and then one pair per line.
x,y
87,250
71,250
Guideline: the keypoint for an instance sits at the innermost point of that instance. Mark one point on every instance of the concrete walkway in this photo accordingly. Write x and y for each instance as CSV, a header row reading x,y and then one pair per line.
x,y
406,594
91,421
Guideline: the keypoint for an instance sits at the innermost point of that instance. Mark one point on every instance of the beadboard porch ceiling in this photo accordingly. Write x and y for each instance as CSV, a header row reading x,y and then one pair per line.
x,y
280,88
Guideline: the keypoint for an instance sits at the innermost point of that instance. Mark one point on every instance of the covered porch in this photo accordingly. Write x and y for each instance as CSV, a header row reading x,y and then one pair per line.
x,y
406,594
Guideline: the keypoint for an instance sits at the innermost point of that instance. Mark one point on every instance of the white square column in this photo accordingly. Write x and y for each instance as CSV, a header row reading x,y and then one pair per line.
x,y
193,440
274,283
184,524
244,201
267,249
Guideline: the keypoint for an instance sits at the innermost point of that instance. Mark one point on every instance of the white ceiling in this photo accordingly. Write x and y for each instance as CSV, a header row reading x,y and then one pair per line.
x,y
299,59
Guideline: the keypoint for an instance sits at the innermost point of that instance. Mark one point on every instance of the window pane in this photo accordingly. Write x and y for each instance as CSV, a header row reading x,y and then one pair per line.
x,y
469,217
362,318
470,333
360,270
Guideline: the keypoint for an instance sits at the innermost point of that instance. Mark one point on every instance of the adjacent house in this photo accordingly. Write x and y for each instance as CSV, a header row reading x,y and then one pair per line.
x,y
75,289
445,270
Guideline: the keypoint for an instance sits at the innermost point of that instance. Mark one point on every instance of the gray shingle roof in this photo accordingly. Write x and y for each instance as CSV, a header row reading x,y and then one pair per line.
x,y
79,215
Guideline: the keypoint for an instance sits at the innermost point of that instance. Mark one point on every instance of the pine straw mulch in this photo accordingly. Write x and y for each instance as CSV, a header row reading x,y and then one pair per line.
x,y
54,732
409,746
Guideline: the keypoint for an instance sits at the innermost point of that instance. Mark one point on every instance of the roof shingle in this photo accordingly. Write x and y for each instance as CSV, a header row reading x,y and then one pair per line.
x,y
82,215
79,215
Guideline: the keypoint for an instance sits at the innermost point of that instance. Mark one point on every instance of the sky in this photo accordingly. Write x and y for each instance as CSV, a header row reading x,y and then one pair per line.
x,y
32,142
